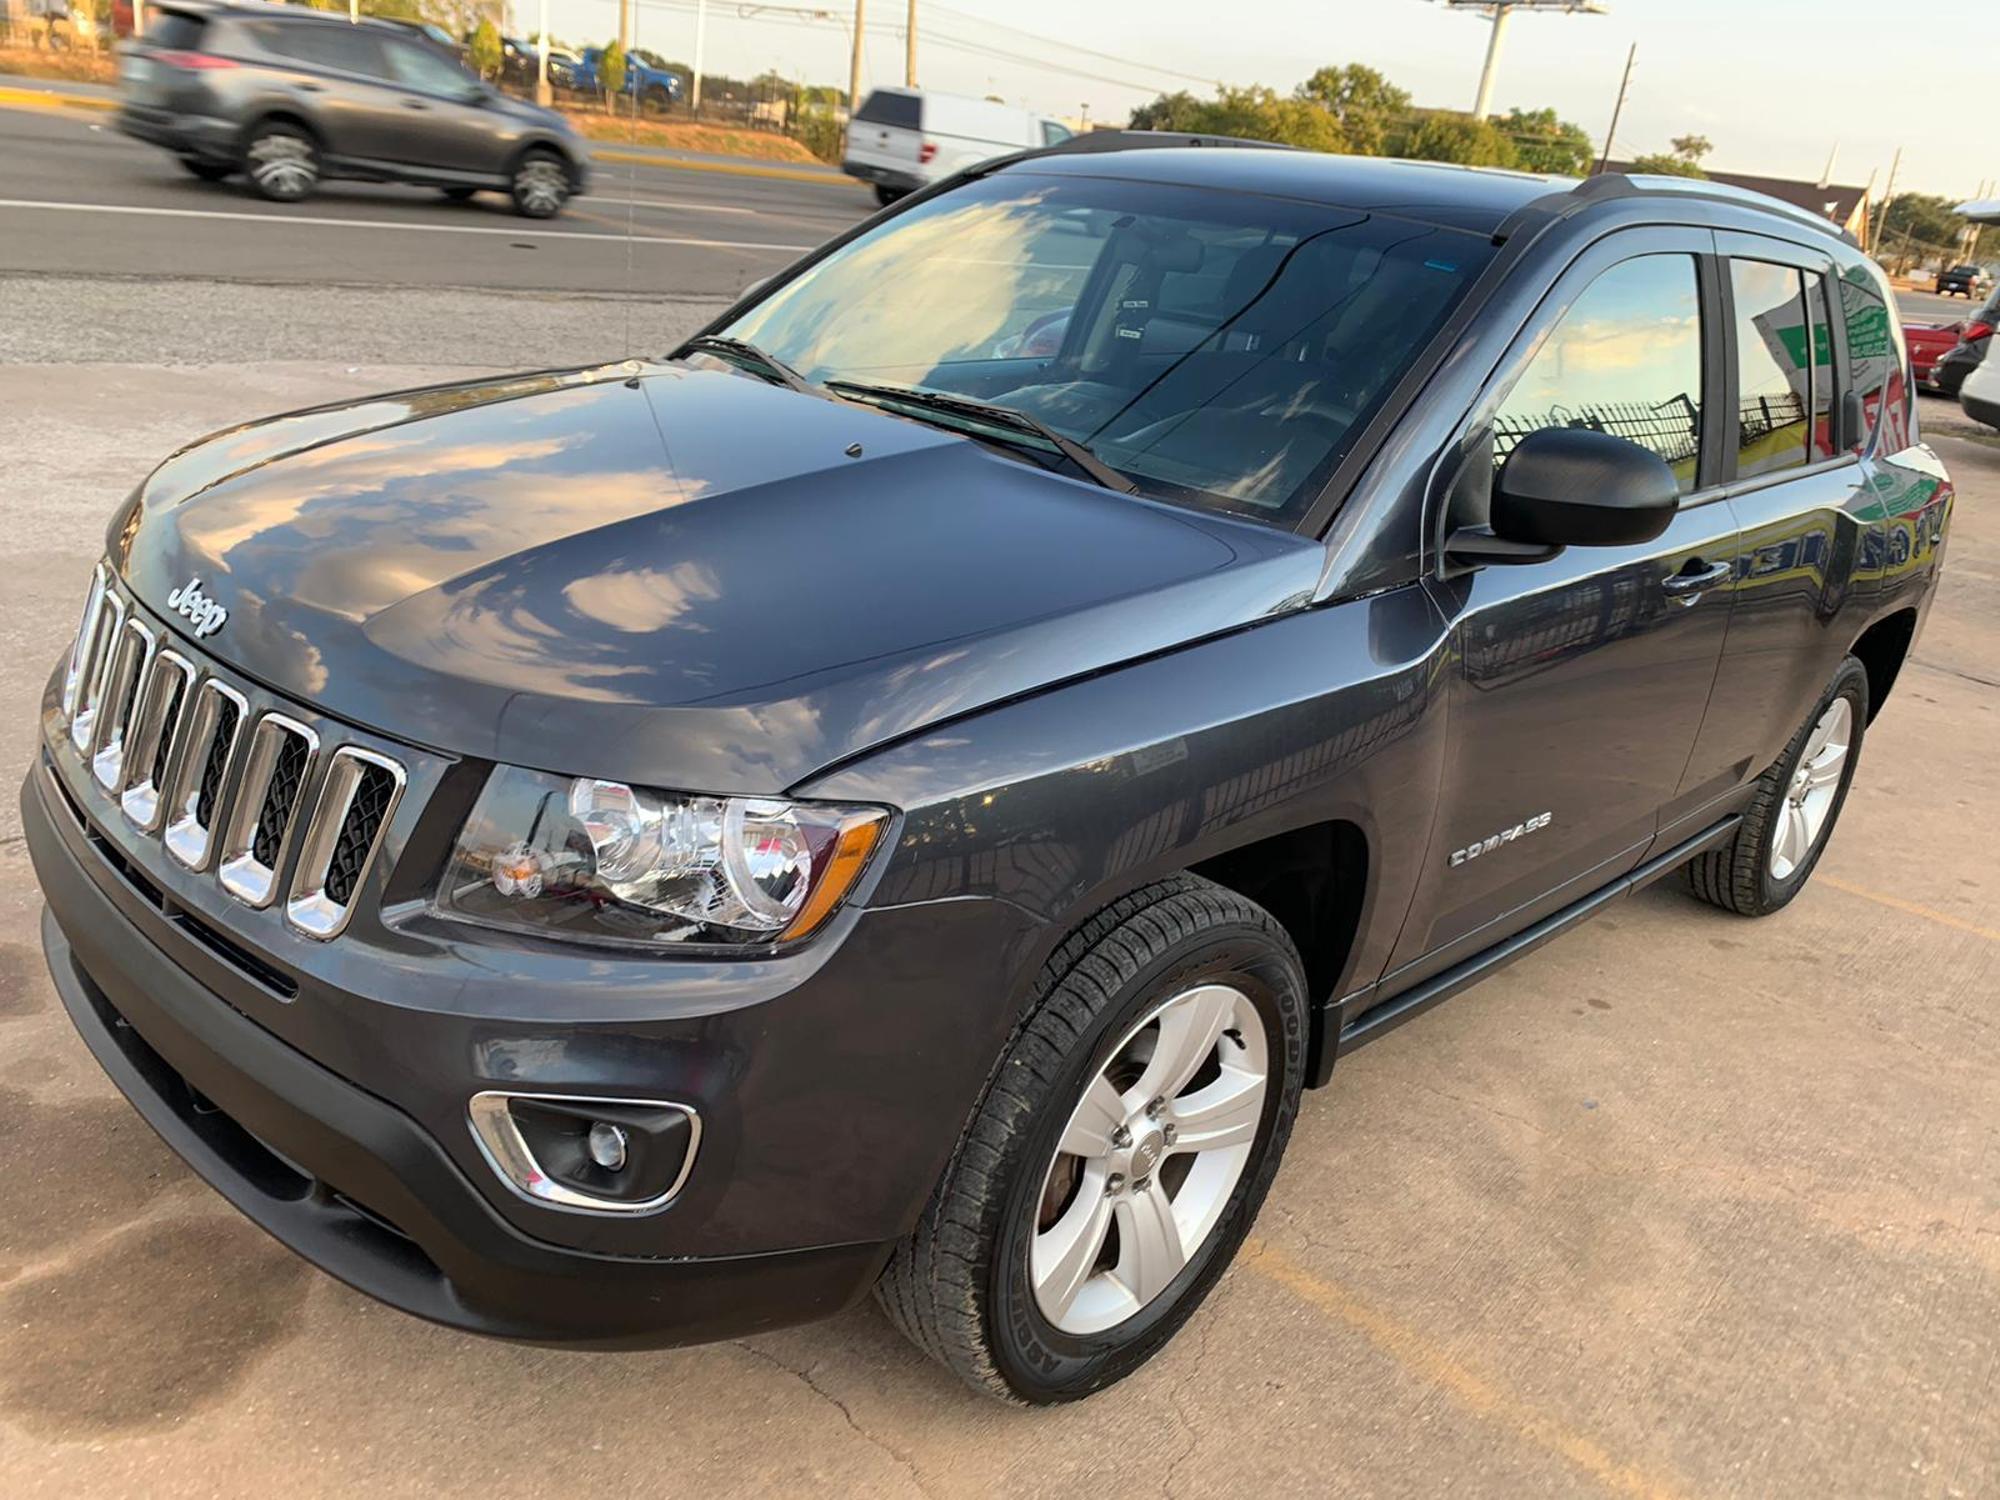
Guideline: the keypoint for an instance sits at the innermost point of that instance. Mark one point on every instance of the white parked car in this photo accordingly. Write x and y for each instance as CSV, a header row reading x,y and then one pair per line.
x,y
1980,395
904,139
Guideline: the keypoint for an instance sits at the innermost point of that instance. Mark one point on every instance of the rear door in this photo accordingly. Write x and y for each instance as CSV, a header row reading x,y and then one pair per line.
x,y
1814,536
340,77
1581,681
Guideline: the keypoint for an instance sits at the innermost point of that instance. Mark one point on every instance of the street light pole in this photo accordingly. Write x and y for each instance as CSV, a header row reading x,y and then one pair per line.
x,y
854,68
700,35
1482,103
542,61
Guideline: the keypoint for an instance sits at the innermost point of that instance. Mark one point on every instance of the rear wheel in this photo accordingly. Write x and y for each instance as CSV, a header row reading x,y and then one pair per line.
x,y
282,161
207,171
541,185
1797,802
886,195
1121,1151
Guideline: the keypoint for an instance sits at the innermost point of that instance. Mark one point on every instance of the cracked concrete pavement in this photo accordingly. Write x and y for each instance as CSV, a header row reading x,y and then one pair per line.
x,y
1680,1205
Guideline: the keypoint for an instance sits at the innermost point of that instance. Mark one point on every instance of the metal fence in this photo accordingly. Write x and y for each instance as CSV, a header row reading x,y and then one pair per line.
x,y
1672,429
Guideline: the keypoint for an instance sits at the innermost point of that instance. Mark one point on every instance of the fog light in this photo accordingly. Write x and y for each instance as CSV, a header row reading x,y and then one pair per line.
x,y
607,1146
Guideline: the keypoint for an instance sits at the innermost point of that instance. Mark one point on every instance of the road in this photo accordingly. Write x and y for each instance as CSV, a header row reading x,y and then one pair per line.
x,y
77,198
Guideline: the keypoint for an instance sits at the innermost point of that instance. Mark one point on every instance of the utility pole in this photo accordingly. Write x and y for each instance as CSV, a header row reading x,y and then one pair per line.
x,y
1617,109
1482,102
854,68
910,49
625,26
700,35
542,61
1888,196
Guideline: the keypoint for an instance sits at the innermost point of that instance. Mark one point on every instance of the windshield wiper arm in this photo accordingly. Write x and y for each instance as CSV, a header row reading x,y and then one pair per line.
x,y
748,353
950,403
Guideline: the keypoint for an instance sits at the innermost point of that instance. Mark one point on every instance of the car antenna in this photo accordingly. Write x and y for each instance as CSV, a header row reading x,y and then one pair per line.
x,y
631,192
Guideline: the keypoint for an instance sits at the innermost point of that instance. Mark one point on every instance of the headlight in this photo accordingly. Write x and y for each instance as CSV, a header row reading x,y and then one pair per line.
x,y
586,858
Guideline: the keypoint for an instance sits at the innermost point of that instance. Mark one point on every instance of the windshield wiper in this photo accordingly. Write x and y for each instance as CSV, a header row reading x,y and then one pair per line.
x,y
745,352
951,404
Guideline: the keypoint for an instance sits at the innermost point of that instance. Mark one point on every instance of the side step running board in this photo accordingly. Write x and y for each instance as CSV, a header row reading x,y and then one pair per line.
x,y
1386,1015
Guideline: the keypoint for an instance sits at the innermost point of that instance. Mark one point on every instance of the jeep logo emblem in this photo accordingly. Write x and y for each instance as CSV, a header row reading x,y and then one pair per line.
x,y
200,611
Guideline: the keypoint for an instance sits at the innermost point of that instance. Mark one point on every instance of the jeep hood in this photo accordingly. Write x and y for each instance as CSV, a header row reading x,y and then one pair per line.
x,y
672,575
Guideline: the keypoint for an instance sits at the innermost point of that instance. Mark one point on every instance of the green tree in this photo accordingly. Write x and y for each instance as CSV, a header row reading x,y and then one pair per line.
x,y
1255,113
1544,143
484,51
1365,103
1691,148
1922,219
1446,136
611,70
1666,164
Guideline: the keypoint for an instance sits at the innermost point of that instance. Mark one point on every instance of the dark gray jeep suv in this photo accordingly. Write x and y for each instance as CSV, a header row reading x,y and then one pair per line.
x,y
905,793
288,97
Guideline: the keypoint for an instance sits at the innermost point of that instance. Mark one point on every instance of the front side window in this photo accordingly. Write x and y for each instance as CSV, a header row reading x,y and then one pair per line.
x,y
1773,367
1625,359
1218,349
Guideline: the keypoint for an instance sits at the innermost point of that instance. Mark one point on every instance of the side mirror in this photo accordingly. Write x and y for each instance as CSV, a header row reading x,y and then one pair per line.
x,y
1571,487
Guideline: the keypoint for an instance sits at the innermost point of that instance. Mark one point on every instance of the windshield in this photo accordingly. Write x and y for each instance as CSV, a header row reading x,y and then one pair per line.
x,y
1222,349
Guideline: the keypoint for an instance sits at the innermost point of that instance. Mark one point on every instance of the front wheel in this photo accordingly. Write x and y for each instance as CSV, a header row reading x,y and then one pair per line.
x,y
541,185
1121,1151
1797,801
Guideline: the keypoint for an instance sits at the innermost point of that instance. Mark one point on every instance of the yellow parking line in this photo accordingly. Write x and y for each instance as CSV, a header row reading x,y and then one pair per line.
x,y
1417,1353
1897,903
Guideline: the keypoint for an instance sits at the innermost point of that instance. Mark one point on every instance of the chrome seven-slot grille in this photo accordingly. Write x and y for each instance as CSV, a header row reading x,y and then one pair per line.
x,y
180,751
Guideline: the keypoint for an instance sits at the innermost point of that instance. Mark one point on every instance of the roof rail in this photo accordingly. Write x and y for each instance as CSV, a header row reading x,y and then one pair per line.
x,y
1640,184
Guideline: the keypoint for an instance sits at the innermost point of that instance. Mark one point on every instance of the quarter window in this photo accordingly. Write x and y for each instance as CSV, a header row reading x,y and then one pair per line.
x,y
1773,368
1625,359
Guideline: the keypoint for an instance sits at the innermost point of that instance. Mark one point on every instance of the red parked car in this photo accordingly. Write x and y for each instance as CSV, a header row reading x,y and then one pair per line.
x,y
1928,344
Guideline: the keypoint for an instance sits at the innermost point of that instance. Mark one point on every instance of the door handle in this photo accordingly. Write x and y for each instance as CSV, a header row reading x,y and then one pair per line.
x,y
1685,584
310,88
415,104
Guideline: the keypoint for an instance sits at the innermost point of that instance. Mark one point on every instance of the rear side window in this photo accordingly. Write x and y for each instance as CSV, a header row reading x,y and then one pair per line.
x,y
1874,359
345,49
901,111
175,30
1625,359
1773,372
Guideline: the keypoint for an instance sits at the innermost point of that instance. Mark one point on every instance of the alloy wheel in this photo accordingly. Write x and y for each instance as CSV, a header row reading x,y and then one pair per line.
x,y
1815,783
281,164
541,187
1149,1159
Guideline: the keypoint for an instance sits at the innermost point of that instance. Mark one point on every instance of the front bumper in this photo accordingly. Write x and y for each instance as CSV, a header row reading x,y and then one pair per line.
x,y
323,1087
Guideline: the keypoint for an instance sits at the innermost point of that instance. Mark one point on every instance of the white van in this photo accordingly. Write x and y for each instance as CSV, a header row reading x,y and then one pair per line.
x,y
904,139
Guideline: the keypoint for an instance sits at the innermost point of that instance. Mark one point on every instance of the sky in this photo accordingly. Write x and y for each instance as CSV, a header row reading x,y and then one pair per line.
x,y
1776,84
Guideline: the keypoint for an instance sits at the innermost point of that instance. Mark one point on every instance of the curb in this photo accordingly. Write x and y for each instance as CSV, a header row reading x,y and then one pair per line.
x,y
19,98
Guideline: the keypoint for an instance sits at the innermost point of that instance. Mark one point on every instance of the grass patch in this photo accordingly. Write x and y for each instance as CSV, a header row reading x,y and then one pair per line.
x,y
66,66
688,135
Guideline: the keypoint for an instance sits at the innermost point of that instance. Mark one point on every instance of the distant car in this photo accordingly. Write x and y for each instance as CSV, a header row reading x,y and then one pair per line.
x,y
288,97
1958,281
1975,335
657,88
904,139
1979,397
1928,342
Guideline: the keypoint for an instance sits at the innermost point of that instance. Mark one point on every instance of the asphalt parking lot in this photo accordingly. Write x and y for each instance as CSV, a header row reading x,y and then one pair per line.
x,y
1681,1205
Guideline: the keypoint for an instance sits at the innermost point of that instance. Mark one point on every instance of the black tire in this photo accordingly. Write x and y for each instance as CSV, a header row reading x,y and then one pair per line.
x,y
657,101
886,195
282,162
207,171
959,1285
1738,876
458,194
541,185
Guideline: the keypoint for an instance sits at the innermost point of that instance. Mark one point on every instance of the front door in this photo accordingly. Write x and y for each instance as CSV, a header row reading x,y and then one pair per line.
x,y
1581,681
447,124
